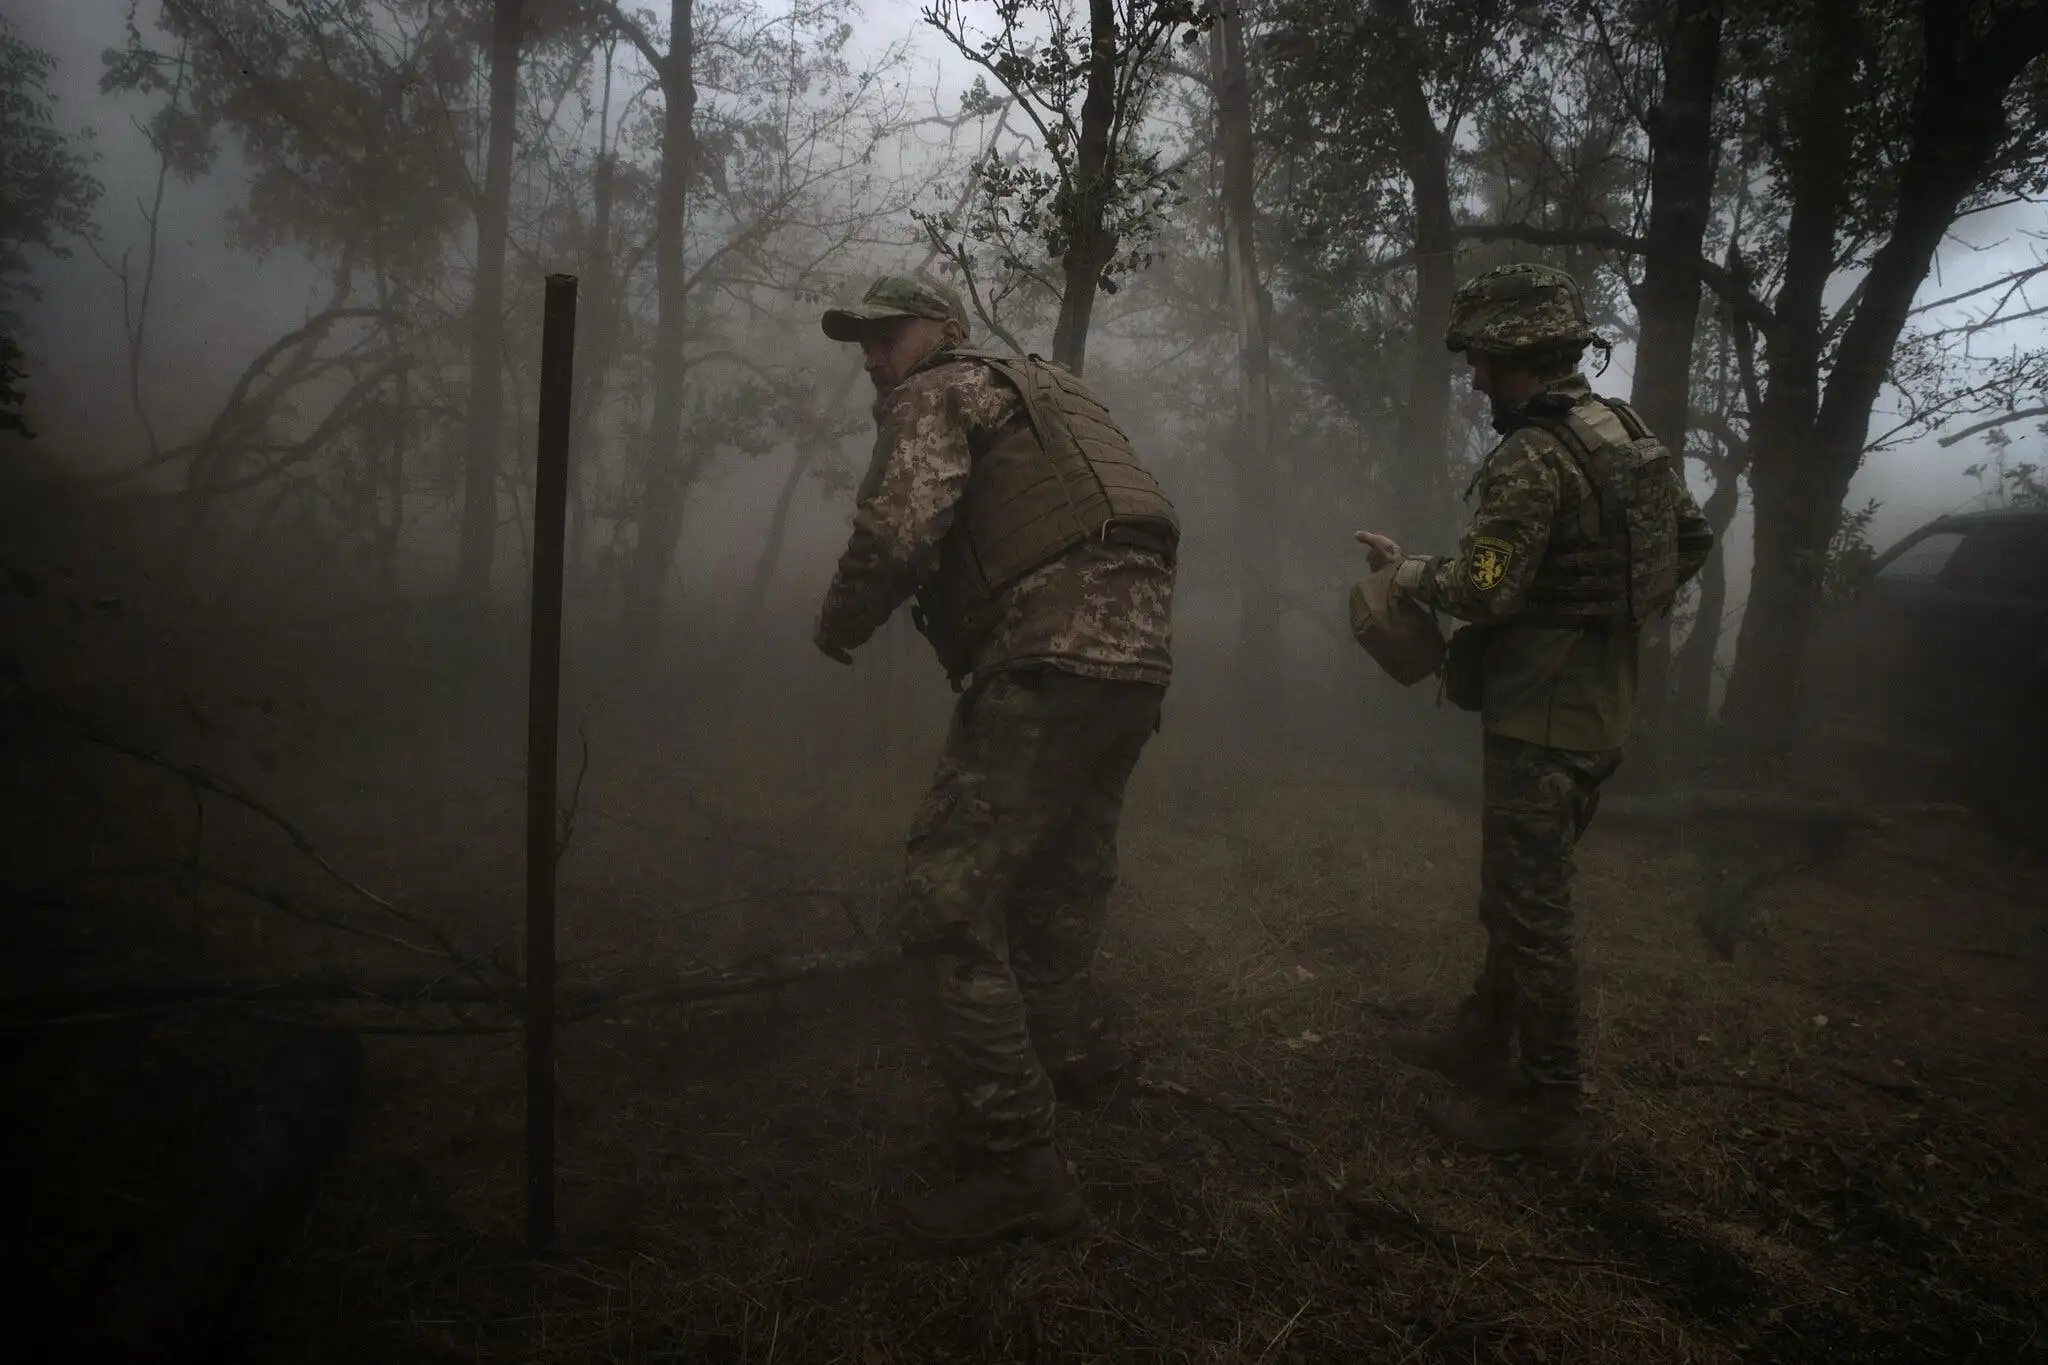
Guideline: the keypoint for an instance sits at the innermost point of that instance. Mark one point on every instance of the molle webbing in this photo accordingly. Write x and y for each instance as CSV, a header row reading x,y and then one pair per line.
x,y
1629,569
1071,476
1062,476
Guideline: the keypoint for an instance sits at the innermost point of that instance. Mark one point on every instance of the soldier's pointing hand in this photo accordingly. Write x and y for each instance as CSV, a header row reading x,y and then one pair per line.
x,y
1380,551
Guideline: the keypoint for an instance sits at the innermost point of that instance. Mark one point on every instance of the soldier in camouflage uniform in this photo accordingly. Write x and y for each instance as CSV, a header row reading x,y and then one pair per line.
x,y
1583,528
1041,556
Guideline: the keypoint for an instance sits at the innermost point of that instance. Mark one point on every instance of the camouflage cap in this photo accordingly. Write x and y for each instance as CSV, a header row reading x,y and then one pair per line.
x,y
896,296
1519,307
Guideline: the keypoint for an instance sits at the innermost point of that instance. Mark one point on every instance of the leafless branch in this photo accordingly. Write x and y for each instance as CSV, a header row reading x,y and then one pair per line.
x,y
2008,282
574,1002
567,827
1992,424
91,731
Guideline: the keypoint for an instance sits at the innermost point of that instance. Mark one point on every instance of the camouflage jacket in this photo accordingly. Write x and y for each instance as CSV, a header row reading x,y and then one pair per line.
x,y
1100,610
1527,485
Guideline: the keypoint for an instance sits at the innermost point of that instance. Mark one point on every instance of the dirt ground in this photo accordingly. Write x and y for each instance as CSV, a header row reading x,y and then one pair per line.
x,y
1824,1149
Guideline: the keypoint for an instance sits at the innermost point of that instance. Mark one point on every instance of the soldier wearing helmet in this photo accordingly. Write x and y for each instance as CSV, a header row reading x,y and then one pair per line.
x,y
1005,499
1582,529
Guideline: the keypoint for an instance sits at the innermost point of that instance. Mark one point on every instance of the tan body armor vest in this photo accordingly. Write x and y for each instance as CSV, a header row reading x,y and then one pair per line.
x,y
1629,569
1065,475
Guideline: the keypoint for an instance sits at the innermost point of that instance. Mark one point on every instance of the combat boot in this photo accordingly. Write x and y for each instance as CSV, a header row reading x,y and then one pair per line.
x,y
1023,1193
1546,1122
1086,1077
1474,1052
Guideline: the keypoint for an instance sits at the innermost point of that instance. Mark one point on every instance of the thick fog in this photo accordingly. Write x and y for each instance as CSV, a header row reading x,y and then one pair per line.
x,y
216,304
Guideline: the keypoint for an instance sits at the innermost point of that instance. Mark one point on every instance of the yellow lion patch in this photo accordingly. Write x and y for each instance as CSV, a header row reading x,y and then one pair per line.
x,y
1487,564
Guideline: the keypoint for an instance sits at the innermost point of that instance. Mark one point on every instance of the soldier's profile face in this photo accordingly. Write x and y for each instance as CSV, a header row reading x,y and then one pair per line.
x,y
1482,372
891,346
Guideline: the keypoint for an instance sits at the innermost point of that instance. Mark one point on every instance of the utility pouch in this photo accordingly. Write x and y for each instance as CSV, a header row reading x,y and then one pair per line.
x,y
1465,666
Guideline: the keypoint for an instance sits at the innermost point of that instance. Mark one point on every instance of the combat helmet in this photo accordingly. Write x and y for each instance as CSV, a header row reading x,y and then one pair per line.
x,y
1518,308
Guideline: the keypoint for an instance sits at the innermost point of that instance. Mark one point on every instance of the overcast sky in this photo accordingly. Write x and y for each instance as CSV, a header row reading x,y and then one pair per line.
x,y
218,306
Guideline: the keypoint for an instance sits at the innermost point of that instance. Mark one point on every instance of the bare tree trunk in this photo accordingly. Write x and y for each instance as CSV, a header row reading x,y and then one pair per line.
x,y
1692,669
1668,301
1682,191
599,323
1257,531
486,312
1681,200
397,433
393,530
1423,502
661,512
1089,243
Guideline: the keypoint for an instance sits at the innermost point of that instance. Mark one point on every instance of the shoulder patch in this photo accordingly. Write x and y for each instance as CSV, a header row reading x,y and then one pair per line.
x,y
1488,562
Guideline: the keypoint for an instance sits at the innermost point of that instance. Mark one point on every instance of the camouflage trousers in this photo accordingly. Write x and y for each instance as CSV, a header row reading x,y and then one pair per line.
x,y
1538,802
1010,863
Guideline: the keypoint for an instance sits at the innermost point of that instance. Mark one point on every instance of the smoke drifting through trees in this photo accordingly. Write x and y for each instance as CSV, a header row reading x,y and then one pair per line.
x,y
262,683
1246,222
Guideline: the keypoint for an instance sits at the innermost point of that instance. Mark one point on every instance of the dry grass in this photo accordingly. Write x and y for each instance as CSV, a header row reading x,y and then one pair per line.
x,y
1825,1150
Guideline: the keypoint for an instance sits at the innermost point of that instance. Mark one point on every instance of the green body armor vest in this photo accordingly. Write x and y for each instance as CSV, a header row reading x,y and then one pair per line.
x,y
1629,569
1064,476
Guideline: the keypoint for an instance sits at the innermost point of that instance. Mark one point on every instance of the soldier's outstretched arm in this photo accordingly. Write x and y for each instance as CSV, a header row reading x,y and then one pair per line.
x,y
1488,579
899,528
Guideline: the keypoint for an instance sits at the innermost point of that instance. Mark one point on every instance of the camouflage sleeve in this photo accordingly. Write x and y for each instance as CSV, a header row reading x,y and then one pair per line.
x,y
922,461
1488,579
1695,532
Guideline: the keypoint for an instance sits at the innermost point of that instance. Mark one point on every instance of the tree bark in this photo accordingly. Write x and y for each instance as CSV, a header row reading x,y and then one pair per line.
x,y
1422,511
1256,478
1089,244
486,313
1681,200
397,433
1791,494
1812,444
667,481
598,318
1668,301
1693,668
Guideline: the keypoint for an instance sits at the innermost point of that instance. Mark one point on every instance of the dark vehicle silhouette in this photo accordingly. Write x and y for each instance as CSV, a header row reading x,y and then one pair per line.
x,y
1933,678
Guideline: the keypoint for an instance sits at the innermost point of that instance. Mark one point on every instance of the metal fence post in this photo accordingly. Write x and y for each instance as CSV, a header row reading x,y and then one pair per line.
x,y
543,708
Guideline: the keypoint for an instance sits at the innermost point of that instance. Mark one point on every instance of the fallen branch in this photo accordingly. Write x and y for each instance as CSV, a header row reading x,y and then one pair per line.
x,y
573,1002
723,983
